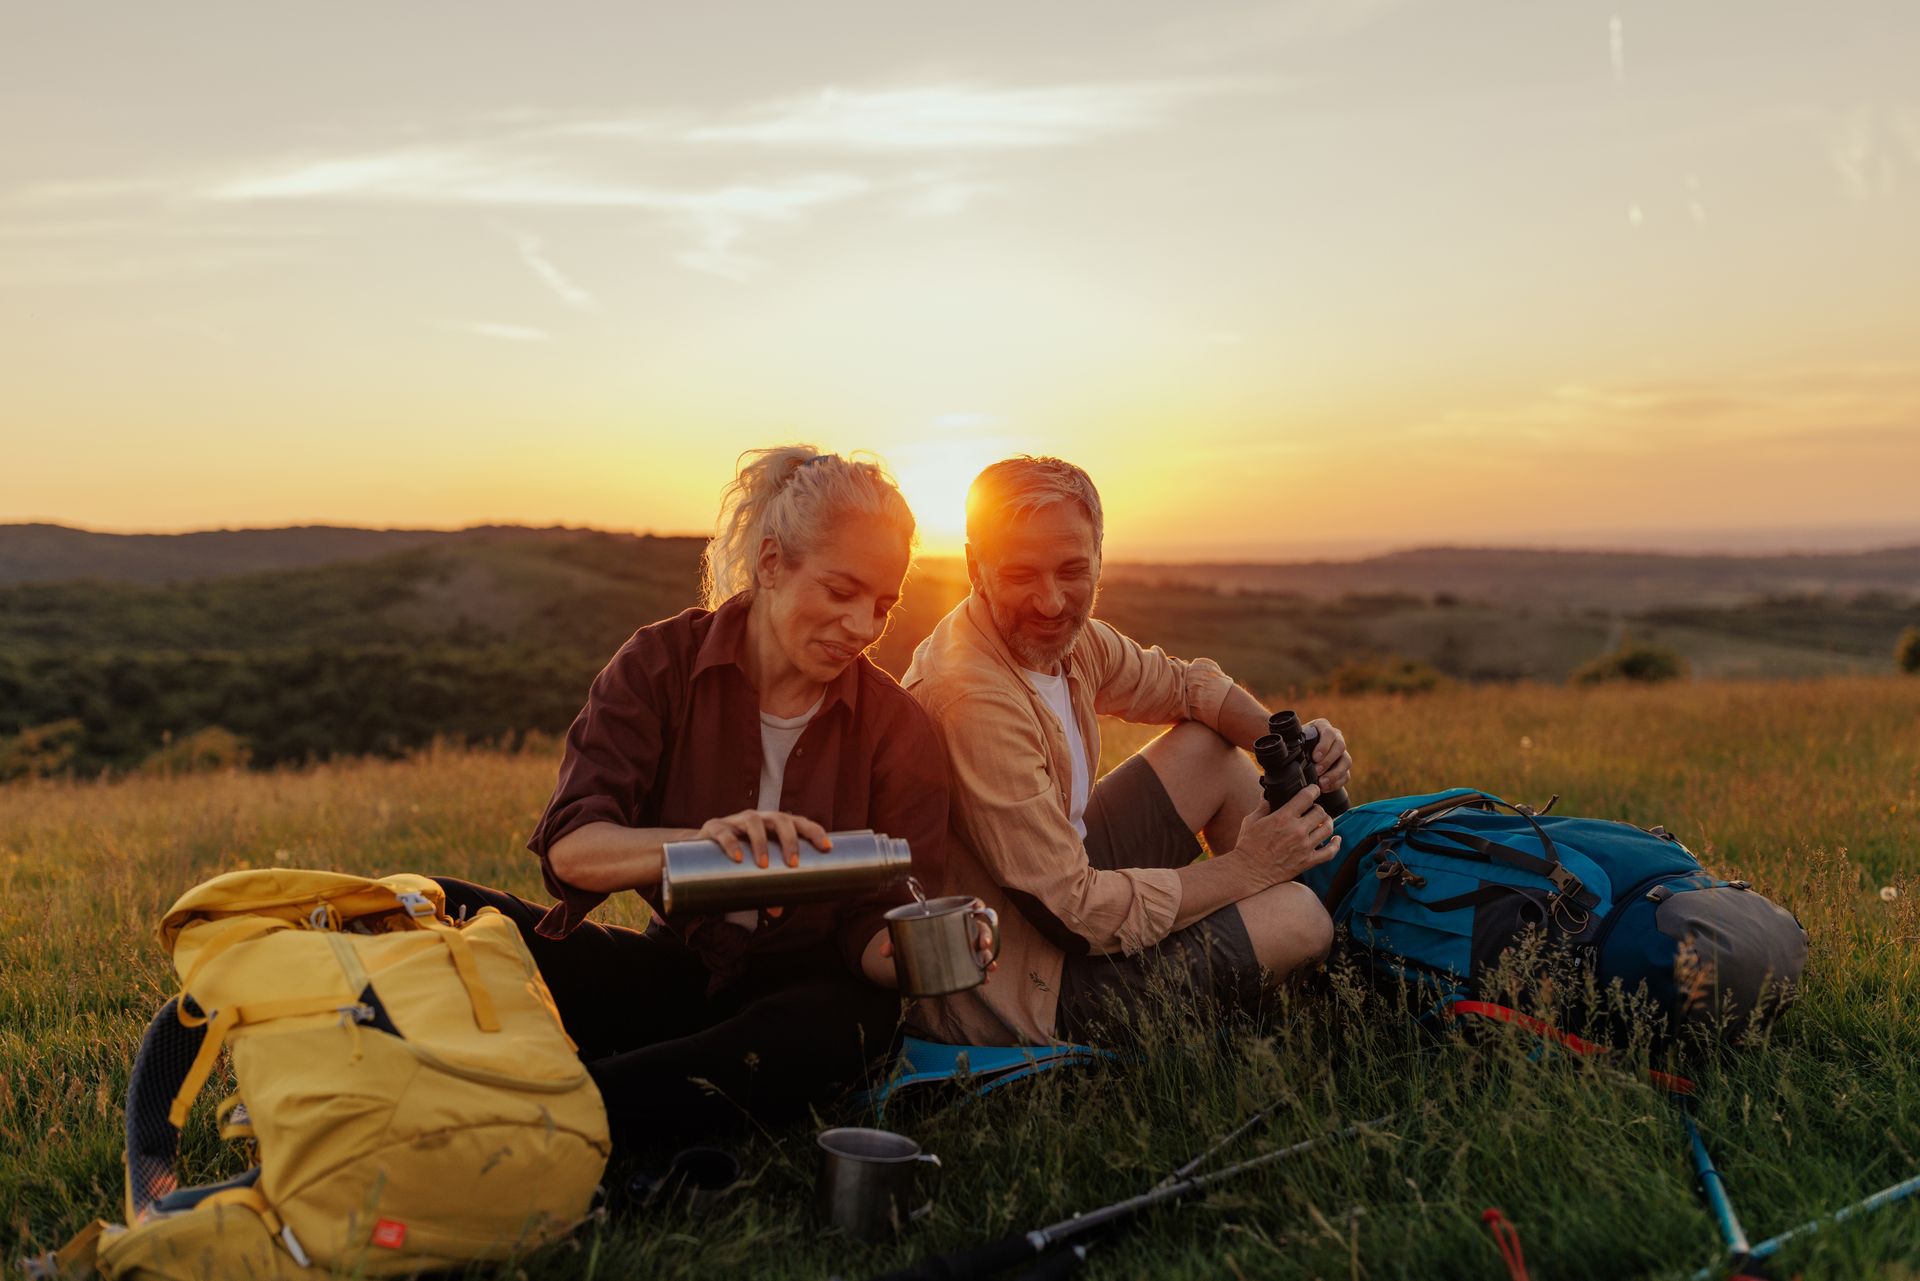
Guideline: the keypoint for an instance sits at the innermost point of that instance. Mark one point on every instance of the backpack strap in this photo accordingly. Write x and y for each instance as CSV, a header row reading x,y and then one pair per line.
x,y
231,935
1571,897
1565,1040
421,910
1348,874
1565,883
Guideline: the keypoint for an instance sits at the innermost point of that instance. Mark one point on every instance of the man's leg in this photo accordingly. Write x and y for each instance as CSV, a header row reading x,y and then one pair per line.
x,y
1213,784
1229,957
1288,927
1198,781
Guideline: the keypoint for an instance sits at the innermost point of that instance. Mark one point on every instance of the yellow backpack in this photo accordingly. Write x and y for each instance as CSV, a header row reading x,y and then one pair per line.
x,y
413,1097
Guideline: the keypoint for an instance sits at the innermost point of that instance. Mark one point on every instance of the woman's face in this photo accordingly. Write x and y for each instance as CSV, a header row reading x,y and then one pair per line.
x,y
828,608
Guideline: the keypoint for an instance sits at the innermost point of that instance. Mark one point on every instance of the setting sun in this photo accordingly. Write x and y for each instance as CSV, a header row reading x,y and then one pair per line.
x,y
934,475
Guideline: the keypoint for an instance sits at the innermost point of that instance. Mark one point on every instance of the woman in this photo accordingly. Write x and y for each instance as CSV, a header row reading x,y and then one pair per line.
x,y
755,722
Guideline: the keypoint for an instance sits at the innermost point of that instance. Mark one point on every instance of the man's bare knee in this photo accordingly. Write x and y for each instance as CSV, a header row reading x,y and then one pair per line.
x,y
1289,928
1189,741
1198,768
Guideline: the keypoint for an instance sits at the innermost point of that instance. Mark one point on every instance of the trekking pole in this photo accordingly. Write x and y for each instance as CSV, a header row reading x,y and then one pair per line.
x,y
1866,1205
1714,1189
997,1256
1063,1262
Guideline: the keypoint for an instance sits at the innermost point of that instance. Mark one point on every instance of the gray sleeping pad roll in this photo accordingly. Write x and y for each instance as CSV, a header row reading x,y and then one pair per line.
x,y
1751,954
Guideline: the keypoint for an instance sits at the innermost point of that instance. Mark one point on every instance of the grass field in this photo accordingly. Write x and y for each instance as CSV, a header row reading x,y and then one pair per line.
x,y
1812,791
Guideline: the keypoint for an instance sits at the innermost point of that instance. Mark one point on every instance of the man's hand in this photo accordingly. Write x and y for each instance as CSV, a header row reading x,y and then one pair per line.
x,y
1281,844
1332,762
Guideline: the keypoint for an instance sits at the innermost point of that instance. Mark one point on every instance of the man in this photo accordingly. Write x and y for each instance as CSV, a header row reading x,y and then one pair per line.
x,y
1100,886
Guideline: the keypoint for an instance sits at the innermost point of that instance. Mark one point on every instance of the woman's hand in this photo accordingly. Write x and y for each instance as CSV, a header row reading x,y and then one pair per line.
x,y
754,825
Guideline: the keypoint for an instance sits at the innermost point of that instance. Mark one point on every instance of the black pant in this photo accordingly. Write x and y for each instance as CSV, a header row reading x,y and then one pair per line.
x,y
794,1030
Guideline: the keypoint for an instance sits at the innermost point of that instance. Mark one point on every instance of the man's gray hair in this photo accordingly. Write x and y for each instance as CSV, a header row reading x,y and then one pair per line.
x,y
1014,488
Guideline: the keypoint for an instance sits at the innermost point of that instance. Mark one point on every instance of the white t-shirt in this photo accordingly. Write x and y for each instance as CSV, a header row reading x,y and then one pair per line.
x,y
778,734
1053,692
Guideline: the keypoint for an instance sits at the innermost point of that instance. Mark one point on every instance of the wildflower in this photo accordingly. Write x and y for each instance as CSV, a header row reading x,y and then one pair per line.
x,y
281,856
1526,742
1888,893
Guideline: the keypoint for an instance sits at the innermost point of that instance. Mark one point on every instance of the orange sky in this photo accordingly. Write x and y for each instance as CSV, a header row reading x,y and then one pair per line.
x,y
1311,276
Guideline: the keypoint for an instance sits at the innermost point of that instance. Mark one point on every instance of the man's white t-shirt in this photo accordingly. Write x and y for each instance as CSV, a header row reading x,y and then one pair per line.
x,y
778,734
1053,692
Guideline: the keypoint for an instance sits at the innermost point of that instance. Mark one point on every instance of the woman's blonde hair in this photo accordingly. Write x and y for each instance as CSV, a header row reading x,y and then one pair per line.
x,y
792,494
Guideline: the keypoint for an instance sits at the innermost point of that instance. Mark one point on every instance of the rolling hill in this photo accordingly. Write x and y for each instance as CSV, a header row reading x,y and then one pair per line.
x,y
489,633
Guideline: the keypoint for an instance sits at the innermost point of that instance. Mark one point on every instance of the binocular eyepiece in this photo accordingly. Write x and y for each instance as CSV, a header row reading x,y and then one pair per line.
x,y
1285,754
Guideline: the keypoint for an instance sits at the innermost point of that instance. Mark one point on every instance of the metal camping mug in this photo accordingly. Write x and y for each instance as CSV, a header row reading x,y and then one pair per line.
x,y
933,951
867,1179
697,876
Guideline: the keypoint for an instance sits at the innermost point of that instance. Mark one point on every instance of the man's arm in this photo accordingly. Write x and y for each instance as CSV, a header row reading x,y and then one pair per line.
x,y
1009,812
1145,684
1273,848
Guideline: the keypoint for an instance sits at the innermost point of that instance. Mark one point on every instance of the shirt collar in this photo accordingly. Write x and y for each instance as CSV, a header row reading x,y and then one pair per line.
x,y
726,645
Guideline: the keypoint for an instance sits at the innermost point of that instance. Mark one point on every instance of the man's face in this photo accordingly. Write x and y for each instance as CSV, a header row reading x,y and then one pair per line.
x,y
1039,575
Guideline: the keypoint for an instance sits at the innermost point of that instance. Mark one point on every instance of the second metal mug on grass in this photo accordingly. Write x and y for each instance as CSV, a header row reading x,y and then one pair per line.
x,y
868,1178
933,944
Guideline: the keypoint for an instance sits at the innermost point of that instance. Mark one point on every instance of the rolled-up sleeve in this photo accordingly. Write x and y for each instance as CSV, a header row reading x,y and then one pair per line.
x,y
1008,811
1145,684
613,750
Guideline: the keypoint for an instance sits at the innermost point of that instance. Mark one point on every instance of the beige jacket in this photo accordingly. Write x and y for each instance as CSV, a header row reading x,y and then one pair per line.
x,y
1008,822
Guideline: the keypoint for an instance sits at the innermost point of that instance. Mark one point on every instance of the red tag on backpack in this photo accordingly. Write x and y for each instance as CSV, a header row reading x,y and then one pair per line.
x,y
389,1234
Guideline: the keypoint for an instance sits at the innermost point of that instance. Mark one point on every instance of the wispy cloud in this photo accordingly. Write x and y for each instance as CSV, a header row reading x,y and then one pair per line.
x,y
479,176
647,162
531,253
942,195
956,117
506,333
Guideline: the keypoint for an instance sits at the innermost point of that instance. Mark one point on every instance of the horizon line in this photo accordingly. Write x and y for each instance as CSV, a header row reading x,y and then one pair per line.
x,y
1862,539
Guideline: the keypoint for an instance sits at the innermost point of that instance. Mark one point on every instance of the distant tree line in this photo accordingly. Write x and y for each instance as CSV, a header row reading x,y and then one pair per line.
x,y
499,636
114,711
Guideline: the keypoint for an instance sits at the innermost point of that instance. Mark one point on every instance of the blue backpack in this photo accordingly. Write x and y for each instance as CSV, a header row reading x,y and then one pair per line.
x,y
1433,890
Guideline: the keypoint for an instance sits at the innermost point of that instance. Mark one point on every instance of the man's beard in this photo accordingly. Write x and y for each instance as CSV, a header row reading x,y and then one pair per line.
x,y
1032,653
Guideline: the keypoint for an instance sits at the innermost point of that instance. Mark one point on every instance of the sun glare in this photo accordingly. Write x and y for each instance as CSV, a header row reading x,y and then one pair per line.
x,y
934,475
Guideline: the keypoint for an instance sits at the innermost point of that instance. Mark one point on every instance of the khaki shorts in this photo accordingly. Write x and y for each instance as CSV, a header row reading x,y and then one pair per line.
x,y
1132,822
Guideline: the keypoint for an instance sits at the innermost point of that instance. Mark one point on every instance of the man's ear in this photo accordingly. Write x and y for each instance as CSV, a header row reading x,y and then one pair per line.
x,y
767,566
973,567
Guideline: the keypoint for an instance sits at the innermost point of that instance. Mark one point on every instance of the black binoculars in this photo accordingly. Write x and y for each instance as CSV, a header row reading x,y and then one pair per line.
x,y
1285,754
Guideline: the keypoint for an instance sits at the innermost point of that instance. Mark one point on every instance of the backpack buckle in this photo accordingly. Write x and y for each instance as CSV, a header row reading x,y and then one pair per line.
x,y
1565,906
417,904
1565,883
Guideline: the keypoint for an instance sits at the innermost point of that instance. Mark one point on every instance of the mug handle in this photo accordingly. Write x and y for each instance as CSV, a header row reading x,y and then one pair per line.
x,y
992,918
940,1177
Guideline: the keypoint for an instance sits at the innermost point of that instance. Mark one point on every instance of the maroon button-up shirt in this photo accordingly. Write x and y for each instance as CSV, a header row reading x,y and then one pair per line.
x,y
670,737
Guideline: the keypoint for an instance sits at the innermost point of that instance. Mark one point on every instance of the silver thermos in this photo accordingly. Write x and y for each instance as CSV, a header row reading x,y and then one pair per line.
x,y
698,878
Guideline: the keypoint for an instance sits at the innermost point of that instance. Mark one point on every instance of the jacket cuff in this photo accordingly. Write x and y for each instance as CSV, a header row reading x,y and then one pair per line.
x,y
1203,689
1156,902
